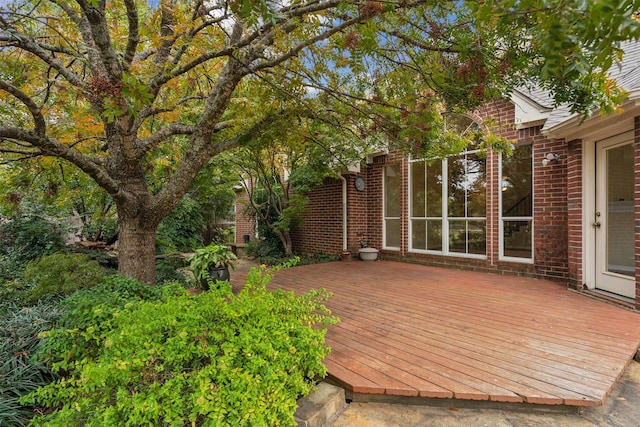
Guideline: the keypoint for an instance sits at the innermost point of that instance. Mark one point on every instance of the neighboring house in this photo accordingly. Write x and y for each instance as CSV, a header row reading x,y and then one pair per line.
x,y
564,207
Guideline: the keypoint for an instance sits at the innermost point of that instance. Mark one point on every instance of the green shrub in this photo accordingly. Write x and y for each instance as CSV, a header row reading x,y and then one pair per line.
x,y
169,270
62,274
24,238
89,313
19,329
213,359
182,229
266,251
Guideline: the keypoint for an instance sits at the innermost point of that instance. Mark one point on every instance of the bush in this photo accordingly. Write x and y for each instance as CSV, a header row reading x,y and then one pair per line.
x,y
168,270
91,312
25,238
213,359
266,251
62,274
19,329
182,229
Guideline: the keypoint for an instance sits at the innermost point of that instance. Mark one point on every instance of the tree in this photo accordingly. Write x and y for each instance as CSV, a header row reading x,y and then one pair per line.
x,y
118,88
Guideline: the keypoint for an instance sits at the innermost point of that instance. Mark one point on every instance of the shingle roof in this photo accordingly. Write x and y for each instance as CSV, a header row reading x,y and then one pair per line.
x,y
626,73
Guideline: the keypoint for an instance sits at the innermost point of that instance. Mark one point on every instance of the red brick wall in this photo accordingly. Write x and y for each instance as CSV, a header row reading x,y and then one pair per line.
x,y
549,206
574,213
321,230
244,224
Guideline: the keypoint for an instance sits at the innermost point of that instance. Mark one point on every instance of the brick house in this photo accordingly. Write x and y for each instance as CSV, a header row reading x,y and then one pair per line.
x,y
564,207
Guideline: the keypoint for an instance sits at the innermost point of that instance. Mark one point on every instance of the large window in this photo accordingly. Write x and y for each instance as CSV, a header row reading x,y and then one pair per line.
x,y
392,206
448,204
516,221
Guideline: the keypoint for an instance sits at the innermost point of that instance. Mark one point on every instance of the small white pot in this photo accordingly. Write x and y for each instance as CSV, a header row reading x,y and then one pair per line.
x,y
368,254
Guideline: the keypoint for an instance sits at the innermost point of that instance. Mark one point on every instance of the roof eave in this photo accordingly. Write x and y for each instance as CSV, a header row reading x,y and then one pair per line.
x,y
572,123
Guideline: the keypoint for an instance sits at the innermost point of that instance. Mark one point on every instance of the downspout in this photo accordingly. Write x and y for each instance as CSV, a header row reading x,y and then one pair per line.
x,y
344,214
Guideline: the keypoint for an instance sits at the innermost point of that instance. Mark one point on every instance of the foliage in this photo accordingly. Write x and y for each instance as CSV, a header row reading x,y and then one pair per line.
x,y
168,270
140,96
181,230
317,258
19,341
88,314
267,250
193,360
24,238
211,256
62,274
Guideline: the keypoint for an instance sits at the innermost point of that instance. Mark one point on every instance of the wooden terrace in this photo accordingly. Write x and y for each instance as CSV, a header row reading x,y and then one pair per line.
x,y
424,332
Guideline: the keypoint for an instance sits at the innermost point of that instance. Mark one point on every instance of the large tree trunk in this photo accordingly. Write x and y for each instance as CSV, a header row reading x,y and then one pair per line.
x,y
137,249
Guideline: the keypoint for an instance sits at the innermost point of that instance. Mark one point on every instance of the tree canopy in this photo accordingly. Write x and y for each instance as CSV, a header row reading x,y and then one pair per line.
x,y
122,89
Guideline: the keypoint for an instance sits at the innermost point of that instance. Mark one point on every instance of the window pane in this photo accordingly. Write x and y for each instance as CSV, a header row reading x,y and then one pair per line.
x,y
457,183
434,235
516,183
392,233
477,237
517,239
458,236
434,188
392,191
468,237
418,188
419,234
476,185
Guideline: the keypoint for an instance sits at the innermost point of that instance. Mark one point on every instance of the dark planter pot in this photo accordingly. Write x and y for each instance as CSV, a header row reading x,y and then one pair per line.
x,y
217,274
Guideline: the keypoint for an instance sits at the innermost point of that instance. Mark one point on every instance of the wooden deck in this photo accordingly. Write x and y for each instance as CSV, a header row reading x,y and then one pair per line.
x,y
410,330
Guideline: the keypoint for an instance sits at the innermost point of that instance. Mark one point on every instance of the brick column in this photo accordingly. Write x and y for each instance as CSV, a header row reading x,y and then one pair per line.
x,y
574,213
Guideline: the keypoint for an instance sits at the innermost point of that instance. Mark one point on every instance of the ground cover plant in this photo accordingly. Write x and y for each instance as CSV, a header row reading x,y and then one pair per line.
x,y
171,358
19,341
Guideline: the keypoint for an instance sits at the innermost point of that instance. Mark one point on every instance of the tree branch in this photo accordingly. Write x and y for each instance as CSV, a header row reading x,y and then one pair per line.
x,y
134,36
38,118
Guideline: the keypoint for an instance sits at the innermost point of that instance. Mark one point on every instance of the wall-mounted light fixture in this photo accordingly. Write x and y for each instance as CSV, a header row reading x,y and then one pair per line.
x,y
551,157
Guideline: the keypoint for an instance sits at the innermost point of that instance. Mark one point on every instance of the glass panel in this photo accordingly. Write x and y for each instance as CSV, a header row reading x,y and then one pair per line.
x,y
392,190
476,186
517,239
392,233
477,237
516,183
419,234
458,236
434,188
434,235
620,210
418,189
456,176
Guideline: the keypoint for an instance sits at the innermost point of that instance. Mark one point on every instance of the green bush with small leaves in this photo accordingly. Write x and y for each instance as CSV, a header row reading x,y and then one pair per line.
x,y
62,274
212,359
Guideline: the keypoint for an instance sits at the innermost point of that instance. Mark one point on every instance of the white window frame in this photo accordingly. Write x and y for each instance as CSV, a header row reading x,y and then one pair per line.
x,y
501,219
384,211
445,214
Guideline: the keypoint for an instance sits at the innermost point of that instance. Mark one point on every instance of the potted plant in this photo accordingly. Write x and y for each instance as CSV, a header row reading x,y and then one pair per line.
x,y
367,253
211,263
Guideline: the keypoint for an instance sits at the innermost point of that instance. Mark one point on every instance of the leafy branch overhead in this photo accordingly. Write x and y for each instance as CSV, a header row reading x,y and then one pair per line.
x,y
116,87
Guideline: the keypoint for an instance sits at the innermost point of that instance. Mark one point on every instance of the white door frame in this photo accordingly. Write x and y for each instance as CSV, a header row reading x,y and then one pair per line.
x,y
589,183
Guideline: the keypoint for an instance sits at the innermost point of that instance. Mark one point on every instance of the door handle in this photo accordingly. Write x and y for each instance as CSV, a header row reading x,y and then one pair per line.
x,y
596,224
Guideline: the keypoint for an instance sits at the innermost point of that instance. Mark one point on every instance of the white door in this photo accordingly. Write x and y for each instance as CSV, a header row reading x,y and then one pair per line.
x,y
614,216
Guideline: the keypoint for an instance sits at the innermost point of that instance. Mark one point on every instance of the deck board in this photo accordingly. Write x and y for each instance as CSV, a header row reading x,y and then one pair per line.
x,y
411,330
